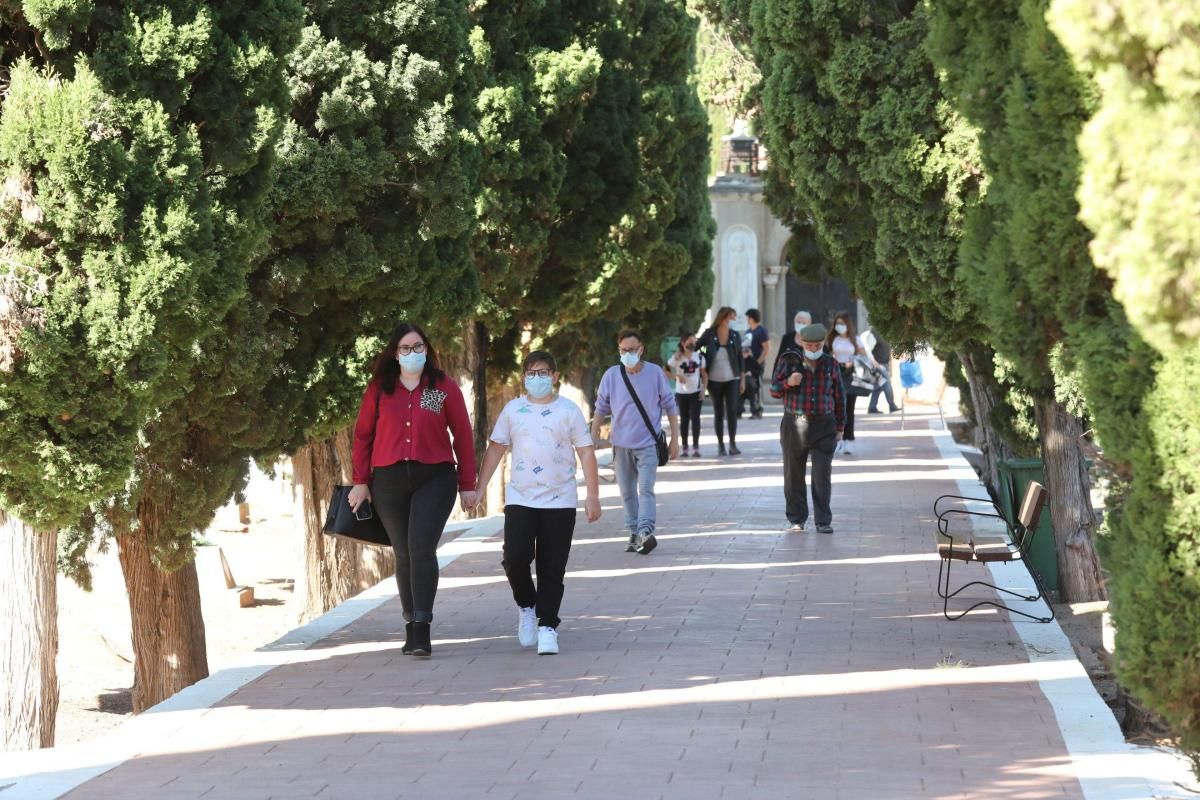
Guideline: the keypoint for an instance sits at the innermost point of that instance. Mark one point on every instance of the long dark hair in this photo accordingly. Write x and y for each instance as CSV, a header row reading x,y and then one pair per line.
x,y
387,369
833,334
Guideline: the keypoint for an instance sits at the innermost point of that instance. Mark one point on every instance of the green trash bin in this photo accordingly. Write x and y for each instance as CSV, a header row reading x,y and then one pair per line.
x,y
1015,475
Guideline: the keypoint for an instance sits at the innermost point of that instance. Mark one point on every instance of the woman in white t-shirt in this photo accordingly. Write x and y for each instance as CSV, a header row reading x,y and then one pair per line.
x,y
844,346
545,432
687,367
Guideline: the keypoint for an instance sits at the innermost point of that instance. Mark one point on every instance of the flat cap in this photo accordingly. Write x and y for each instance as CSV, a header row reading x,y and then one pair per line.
x,y
813,333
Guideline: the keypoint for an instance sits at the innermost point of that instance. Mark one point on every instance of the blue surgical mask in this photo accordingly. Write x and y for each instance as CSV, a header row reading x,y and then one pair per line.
x,y
809,354
801,326
840,328
539,387
630,360
413,362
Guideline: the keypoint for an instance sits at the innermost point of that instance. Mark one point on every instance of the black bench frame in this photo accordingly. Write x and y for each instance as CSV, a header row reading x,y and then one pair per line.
x,y
1020,538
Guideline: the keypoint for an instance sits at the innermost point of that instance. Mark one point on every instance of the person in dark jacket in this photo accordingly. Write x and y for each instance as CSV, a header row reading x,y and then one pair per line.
x,y
724,375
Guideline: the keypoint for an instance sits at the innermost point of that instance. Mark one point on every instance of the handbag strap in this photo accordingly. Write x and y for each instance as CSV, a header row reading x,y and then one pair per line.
x,y
637,401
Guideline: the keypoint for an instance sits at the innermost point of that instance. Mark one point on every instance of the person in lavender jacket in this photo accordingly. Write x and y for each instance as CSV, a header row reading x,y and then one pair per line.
x,y
634,455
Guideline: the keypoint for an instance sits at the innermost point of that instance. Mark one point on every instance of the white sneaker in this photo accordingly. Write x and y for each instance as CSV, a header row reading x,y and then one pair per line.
x,y
547,640
846,449
527,627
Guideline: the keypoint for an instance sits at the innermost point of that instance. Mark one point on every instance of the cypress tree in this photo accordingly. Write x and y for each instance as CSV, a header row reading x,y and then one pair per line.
x,y
1052,311
373,219
367,221
1141,205
866,153
129,136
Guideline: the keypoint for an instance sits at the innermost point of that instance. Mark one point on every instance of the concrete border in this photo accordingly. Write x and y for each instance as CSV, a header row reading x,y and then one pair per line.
x,y
40,774
1107,767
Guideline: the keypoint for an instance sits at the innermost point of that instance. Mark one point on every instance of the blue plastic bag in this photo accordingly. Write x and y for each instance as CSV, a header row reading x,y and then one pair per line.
x,y
910,374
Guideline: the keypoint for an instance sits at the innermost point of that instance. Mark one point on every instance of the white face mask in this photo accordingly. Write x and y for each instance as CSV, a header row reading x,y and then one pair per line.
x,y
800,326
812,355
840,328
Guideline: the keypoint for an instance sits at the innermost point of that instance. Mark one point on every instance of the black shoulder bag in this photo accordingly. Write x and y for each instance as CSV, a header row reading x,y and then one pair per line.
x,y
660,437
361,526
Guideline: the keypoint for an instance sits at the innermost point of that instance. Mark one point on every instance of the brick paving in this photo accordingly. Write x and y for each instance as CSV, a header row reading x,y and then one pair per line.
x,y
736,661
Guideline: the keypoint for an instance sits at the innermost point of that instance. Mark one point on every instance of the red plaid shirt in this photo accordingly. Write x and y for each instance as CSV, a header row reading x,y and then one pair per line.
x,y
820,391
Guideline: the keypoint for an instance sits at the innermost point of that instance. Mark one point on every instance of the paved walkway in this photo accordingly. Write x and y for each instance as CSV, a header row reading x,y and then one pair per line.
x,y
736,661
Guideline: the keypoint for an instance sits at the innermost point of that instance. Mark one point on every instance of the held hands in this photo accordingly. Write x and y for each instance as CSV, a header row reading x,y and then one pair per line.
x,y
359,493
469,500
592,507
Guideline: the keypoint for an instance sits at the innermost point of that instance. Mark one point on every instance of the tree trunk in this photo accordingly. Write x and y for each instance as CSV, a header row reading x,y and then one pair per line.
x,y
334,569
169,651
1079,578
985,396
29,613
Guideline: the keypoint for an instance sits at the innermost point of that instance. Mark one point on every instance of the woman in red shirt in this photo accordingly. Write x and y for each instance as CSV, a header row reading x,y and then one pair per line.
x,y
405,464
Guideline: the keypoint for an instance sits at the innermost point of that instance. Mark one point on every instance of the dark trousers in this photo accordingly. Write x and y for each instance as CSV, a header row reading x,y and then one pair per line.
x,y
540,536
851,399
753,393
724,396
689,416
413,501
802,437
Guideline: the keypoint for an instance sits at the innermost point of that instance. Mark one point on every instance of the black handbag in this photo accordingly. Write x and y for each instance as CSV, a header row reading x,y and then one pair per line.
x,y
660,437
360,526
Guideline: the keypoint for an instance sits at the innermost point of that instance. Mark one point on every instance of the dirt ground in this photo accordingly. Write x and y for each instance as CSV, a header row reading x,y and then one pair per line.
x,y
95,668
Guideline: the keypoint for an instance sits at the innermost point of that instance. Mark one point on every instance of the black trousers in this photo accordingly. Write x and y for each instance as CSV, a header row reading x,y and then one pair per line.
x,y
413,501
724,396
753,393
689,416
540,536
802,437
851,399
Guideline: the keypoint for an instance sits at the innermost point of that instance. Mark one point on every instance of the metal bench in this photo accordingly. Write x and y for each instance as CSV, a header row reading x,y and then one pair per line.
x,y
984,548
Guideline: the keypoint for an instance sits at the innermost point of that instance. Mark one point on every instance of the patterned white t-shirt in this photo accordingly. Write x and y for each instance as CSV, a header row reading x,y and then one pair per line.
x,y
542,438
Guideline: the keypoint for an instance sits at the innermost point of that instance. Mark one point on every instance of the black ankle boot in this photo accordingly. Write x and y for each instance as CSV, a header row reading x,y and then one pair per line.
x,y
421,645
408,639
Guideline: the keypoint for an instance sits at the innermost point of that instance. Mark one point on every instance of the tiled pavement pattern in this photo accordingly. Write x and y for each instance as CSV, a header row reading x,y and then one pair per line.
x,y
736,661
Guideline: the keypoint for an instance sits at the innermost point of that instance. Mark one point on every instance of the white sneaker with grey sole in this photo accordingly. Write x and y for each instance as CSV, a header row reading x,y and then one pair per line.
x,y
527,627
547,641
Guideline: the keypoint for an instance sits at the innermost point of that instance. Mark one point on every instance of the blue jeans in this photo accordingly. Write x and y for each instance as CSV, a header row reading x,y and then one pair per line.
x,y
884,389
636,472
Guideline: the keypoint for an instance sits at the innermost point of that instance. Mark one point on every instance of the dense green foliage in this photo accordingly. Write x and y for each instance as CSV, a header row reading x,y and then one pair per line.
x,y
1141,203
622,210
369,222
135,143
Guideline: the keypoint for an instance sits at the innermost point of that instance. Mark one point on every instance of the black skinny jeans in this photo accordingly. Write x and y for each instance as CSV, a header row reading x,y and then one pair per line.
x,y
413,501
689,416
540,536
851,399
724,395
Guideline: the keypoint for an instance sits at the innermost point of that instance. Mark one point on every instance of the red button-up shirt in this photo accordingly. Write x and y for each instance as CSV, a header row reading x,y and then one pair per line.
x,y
414,426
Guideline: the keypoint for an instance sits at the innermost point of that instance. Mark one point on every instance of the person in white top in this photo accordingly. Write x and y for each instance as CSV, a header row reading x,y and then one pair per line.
x,y
844,346
687,367
545,432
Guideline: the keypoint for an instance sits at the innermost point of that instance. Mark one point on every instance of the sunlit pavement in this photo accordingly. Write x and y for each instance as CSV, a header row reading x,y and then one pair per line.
x,y
737,660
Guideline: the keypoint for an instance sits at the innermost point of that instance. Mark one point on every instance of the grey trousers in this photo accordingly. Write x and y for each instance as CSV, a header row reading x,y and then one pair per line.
x,y
636,473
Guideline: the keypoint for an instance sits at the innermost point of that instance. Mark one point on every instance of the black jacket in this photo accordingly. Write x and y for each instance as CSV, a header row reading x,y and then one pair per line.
x,y
708,345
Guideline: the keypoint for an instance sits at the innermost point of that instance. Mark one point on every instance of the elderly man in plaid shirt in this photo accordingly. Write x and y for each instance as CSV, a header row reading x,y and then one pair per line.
x,y
814,403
